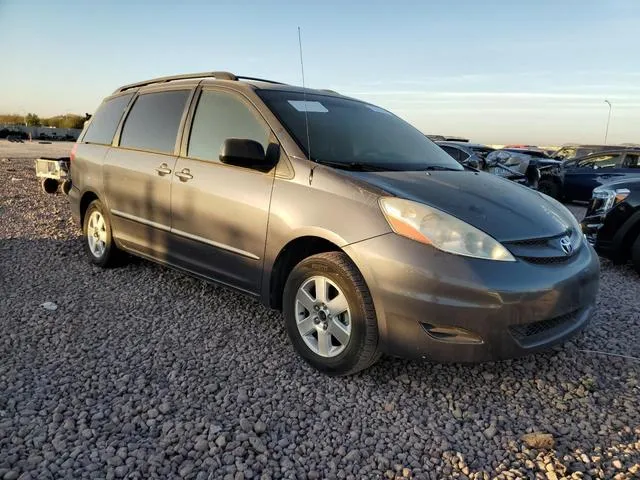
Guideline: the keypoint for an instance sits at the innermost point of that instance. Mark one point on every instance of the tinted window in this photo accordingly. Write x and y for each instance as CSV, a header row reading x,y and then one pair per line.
x,y
220,116
633,160
153,122
105,121
352,134
451,151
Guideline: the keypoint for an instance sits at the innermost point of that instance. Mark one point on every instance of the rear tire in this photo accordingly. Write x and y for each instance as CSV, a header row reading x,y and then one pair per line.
x,y
549,187
329,314
98,241
635,254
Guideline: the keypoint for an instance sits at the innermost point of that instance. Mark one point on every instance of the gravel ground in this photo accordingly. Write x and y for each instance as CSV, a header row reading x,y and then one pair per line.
x,y
142,372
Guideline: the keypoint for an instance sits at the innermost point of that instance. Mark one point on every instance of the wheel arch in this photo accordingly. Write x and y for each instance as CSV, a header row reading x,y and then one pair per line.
x,y
288,257
85,200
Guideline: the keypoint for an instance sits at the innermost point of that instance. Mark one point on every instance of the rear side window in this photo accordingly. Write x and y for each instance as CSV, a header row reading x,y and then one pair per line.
x,y
454,152
218,117
153,122
106,119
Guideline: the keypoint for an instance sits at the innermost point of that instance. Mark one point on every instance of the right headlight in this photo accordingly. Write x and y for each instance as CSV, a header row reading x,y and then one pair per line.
x,y
445,232
608,198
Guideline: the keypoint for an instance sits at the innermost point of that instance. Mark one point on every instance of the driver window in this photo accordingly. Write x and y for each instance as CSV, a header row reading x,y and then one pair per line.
x,y
220,116
633,160
602,161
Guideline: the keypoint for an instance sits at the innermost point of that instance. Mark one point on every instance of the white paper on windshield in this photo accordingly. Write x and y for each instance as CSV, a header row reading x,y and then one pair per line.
x,y
301,106
377,109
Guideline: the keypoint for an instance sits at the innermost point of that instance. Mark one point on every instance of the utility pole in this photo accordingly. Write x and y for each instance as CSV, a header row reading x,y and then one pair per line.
x,y
606,132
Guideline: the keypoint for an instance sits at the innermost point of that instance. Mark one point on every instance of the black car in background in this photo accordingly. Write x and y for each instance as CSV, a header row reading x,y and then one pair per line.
x,y
612,222
471,154
583,174
570,152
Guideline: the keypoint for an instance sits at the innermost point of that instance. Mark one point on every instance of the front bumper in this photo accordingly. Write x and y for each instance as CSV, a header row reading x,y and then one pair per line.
x,y
448,308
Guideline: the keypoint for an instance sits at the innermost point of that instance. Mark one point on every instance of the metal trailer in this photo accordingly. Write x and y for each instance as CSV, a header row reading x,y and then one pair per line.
x,y
54,174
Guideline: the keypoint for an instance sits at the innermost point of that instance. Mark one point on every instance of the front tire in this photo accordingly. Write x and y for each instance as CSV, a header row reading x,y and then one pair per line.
x,y
98,241
329,314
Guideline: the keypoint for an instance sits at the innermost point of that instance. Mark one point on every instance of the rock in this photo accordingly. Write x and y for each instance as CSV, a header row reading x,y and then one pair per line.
x,y
538,440
201,445
11,475
49,306
186,468
121,471
352,456
257,444
221,441
490,432
246,425
404,378
153,413
164,408
325,414
617,464
260,427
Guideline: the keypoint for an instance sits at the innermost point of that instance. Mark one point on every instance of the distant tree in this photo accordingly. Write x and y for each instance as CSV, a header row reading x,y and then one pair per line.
x,y
33,120
12,119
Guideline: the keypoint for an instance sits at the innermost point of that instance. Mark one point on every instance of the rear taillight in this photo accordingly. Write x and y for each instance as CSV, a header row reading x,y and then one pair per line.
x,y
72,156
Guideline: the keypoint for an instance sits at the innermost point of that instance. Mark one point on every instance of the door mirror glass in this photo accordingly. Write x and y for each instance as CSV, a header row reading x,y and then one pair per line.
x,y
244,152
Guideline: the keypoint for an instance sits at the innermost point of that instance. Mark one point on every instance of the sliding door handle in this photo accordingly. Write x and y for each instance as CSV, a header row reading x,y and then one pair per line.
x,y
163,170
184,175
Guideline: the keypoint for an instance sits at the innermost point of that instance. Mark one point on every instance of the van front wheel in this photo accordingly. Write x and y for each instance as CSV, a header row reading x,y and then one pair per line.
x,y
329,314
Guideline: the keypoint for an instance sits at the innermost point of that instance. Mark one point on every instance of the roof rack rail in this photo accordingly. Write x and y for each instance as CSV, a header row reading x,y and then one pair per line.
x,y
187,76
329,91
242,77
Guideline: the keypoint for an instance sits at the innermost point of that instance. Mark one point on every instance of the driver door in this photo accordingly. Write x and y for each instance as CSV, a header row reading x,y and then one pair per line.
x,y
219,212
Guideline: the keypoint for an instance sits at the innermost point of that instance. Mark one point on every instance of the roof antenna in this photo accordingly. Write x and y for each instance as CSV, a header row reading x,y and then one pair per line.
x,y
304,100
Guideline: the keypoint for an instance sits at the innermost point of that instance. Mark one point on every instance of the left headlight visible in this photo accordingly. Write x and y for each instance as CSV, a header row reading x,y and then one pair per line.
x,y
608,198
431,226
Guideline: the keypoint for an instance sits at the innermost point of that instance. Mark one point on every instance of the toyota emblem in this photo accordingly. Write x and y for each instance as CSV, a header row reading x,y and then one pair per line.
x,y
565,244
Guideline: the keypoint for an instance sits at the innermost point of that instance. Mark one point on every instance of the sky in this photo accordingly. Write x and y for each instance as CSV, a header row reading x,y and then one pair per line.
x,y
494,71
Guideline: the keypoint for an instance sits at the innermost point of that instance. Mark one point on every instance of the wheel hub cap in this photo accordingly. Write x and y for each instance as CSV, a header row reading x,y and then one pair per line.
x,y
323,316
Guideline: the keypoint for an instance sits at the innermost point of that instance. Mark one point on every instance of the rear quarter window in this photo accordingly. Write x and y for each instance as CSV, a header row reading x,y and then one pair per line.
x,y
105,121
154,120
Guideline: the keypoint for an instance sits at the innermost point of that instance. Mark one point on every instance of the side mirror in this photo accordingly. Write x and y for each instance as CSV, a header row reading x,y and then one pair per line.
x,y
243,152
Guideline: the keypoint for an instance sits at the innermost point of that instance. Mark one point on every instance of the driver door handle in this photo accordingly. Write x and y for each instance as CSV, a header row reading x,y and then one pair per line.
x,y
163,170
184,175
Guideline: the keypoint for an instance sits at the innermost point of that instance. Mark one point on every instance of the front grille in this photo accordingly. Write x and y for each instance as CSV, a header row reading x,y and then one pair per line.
x,y
528,330
546,250
547,260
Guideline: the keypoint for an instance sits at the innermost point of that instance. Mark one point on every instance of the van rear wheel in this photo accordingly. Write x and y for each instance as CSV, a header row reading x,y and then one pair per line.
x,y
329,314
98,242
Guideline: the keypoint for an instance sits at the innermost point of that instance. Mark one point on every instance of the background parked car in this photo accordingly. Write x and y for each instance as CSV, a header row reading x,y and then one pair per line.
x,y
612,222
584,174
570,152
472,154
551,171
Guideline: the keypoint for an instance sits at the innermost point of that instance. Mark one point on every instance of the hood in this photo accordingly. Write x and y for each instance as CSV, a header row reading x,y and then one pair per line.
x,y
632,184
503,209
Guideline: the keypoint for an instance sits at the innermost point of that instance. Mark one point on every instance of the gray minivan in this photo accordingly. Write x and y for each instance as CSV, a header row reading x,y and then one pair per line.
x,y
369,237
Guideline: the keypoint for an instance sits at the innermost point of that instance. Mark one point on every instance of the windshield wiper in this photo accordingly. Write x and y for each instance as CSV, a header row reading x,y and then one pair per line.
x,y
441,168
357,166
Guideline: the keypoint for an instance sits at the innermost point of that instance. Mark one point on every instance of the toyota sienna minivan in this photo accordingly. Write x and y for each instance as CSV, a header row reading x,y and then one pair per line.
x,y
369,237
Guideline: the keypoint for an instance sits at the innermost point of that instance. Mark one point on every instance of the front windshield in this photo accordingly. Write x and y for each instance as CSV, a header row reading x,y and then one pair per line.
x,y
351,134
